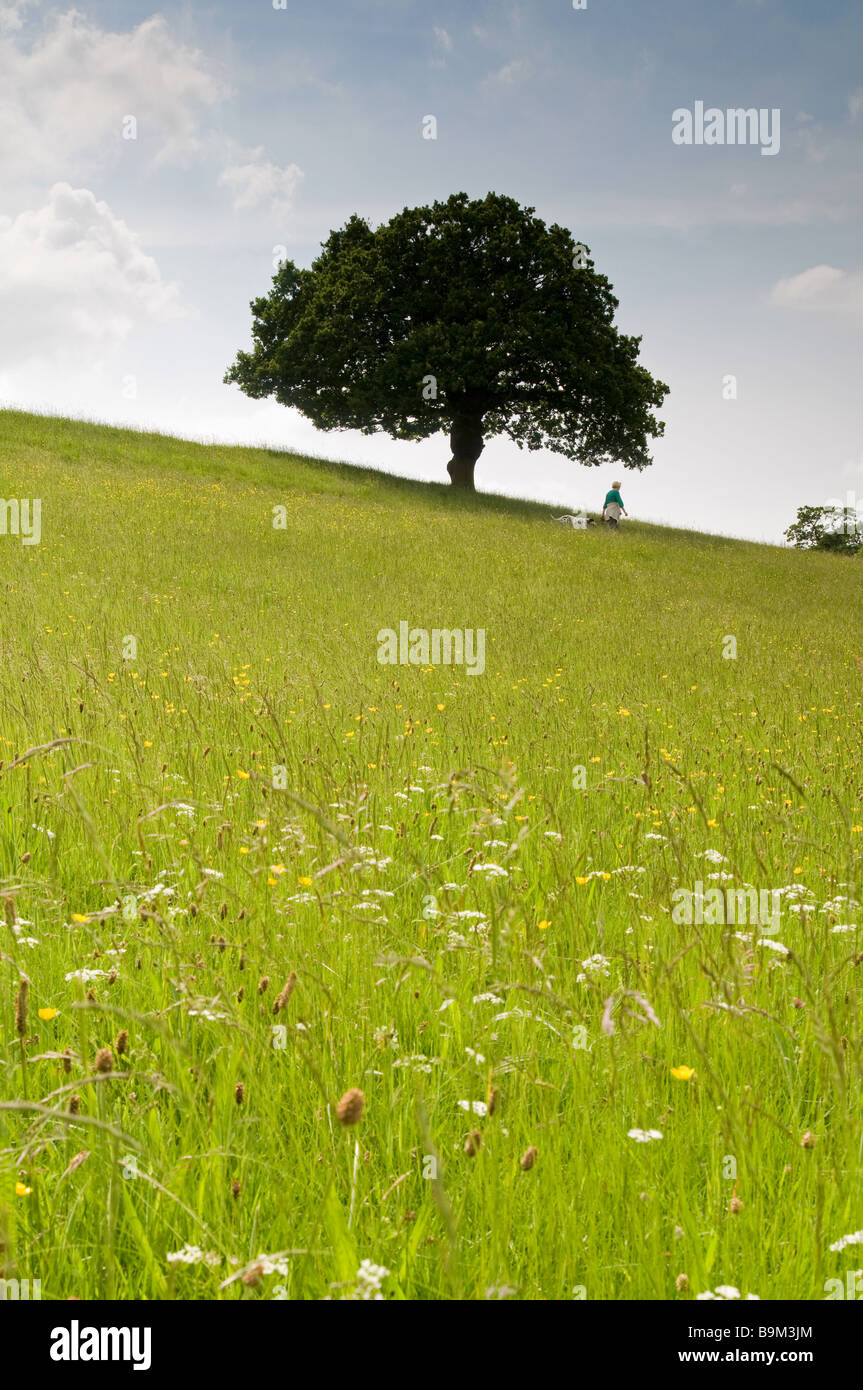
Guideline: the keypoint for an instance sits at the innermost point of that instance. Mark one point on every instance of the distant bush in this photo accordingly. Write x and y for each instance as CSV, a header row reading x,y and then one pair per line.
x,y
826,528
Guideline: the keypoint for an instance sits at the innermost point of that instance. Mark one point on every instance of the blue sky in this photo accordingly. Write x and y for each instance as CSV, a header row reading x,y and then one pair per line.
x,y
127,265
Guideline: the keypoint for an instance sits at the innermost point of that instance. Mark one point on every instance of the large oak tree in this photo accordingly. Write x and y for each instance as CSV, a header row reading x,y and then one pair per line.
x,y
470,316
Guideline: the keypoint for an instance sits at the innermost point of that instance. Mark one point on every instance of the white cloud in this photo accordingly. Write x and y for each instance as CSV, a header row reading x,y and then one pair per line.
x,y
855,104
823,287
63,98
11,15
519,70
443,40
74,282
255,182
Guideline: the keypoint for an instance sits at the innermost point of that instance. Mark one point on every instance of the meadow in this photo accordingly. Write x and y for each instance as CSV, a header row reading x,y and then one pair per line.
x,y
249,871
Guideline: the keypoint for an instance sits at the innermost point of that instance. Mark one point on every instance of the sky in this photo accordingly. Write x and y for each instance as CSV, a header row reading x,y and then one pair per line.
x,y
155,162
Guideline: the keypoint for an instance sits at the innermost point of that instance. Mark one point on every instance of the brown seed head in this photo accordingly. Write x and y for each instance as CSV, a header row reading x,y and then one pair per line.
x,y
808,1140
286,993
253,1276
121,1042
735,1205
239,1092
235,1189
681,1283
104,1060
263,984
473,1143
350,1107
529,1157
67,1060
74,1104
21,1007
492,1098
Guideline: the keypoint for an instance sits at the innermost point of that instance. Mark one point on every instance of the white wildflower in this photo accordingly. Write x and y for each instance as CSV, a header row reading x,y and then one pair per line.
x,y
856,1238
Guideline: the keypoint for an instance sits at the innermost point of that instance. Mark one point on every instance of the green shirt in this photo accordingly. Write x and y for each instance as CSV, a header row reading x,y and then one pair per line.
x,y
613,496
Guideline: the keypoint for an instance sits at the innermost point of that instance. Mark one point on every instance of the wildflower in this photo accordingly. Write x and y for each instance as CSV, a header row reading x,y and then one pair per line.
x,y
48,1014
644,1136
305,881
727,1291
193,1255
350,1107
682,1073
856,1238
21,1190
543,925
368,1283
474,1107
80,917
493,870
529,1157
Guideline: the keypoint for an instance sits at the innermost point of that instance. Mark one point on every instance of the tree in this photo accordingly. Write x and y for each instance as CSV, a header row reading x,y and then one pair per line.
x,y
470,316
826,528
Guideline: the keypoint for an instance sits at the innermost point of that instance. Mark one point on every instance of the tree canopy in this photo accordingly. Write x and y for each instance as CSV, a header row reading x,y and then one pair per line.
x,y
467,316
826,528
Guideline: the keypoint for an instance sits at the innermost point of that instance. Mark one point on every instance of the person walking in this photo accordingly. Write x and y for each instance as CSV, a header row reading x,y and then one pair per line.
x,y
613,506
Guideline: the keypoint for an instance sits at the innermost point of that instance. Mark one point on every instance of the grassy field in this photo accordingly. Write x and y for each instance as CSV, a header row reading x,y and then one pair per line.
x,y
247,868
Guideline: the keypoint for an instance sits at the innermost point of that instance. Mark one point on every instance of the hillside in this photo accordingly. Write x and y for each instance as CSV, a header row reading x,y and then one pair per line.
x,y
264,868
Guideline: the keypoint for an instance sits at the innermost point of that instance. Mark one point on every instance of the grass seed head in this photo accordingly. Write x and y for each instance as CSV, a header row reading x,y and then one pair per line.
x,y
473,1143
286,993
350,1107
529,1157
21,1007
104,1060
121,1042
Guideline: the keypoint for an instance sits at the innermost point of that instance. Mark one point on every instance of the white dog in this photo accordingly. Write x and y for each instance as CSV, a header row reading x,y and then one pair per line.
x,y
577,521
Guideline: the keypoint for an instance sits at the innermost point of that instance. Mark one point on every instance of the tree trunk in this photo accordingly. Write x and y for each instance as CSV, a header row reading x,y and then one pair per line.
x,y
467,444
